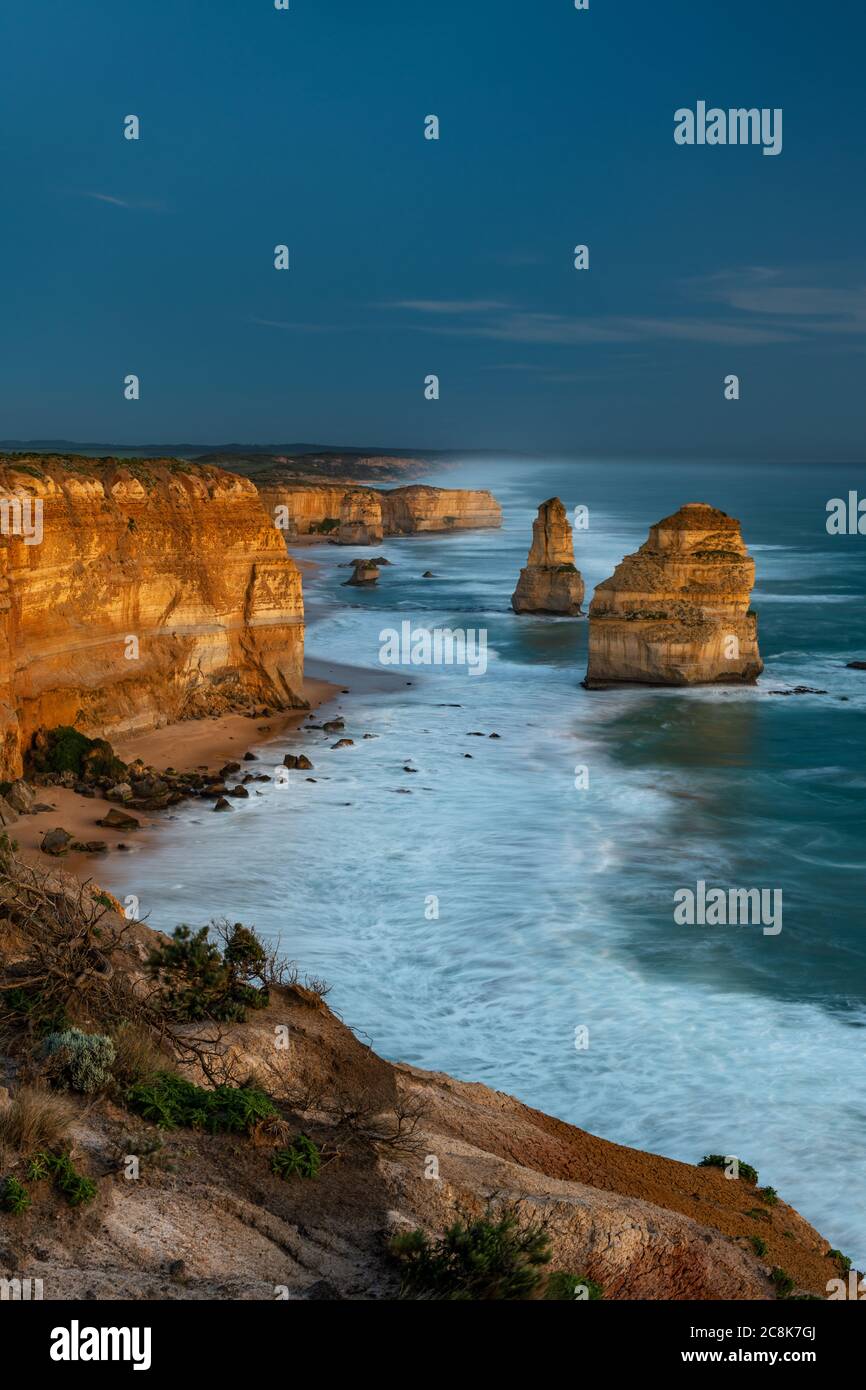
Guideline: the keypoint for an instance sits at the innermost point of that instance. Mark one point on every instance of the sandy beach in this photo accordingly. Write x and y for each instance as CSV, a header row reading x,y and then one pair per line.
x,y
191,745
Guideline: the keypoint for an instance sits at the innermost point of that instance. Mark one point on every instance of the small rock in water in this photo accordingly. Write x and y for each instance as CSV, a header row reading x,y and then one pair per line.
x,y
494,735
343,743
251,757
223,805
428,574
857,665
239,790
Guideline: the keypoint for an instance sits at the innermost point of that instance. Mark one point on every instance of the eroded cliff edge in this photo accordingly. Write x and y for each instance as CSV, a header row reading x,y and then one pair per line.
x,y
677,611
159,590
304,507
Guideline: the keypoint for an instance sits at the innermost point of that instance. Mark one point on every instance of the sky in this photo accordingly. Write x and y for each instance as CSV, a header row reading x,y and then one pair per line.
x,y
452,257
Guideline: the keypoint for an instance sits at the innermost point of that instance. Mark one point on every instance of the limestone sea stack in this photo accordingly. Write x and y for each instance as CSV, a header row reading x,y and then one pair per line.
x,y
550,583
360,519
677,611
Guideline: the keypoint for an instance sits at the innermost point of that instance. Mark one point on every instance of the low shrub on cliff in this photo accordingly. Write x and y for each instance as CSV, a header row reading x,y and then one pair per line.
x,y
483,1260
81,1061
169,1101
784,1283
201,982
65,749
14,1197
35,1119
744,1170
302,1158
77,1189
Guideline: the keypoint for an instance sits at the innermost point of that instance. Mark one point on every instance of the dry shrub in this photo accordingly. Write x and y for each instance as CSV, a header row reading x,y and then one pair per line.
x,y
138,1055
35,1119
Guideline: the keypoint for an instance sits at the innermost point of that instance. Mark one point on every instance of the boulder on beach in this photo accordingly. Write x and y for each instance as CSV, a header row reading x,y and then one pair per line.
x,y
119,820
677,611
223,805
21,797
56,842
550,582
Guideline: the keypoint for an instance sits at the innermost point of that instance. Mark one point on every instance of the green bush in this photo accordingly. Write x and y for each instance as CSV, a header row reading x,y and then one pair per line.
x,y
82,1061
65,749
759,1246
324,527
14,1197
842,1261
745,1170
28,1006
481,1260
769,1195
302,1158
77,1189
784,1283
170,1101
199,982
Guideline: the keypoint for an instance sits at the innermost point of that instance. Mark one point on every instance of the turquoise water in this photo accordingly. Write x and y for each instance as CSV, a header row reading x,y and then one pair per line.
x,y
555,905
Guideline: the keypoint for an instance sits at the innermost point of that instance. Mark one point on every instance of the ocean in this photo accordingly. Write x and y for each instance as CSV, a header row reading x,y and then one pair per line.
x,y
511,920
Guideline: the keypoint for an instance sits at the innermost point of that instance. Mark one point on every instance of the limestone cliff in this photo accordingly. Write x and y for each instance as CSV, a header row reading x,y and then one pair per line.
x,y
360,519
158,590
549,582
304,508
677,611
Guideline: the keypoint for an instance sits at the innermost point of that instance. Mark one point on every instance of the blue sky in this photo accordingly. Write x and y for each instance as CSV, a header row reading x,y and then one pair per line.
x,y
411,256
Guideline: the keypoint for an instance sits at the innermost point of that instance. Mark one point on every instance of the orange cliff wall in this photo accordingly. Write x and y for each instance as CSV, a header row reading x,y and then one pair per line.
x,y
405,510
182,557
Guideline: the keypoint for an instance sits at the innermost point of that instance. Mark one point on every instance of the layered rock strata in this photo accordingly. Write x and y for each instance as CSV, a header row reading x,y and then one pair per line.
x,y
550,581
677,611
156,590
360,519
301,509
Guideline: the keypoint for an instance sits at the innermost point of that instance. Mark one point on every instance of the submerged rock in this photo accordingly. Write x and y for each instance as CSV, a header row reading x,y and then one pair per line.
x,y
677,611
550,582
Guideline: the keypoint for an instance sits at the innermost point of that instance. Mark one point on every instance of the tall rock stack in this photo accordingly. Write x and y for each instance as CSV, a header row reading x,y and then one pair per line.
x,y
550,583
360,519
677,611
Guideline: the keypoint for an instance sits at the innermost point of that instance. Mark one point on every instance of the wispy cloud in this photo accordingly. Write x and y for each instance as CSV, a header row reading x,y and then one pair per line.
x,y
509,325
145,204
758,305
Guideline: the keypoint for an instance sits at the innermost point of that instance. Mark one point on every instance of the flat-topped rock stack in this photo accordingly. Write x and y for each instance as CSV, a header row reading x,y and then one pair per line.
x,y
550,582
677,611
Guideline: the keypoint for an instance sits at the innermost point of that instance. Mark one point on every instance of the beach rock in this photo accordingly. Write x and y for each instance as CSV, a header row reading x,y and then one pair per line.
x,y
89,846
239,790
223,805
119,820
677,611
8,814
229,769
364,573
251,757
122,791
343,743
549,582
333,726
56,842
360,519
21,797
300,761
